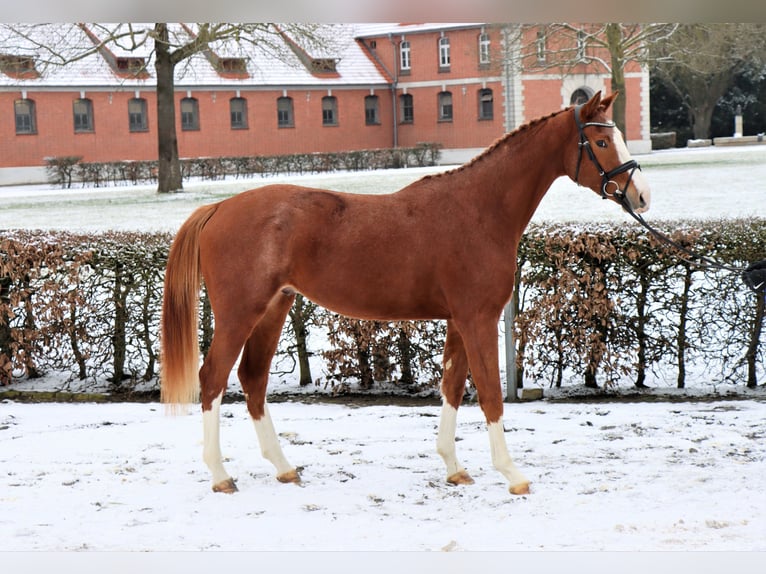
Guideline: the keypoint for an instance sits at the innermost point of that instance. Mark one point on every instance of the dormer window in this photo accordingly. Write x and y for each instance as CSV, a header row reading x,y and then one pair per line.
x,y
130,65
323,65
18,66
233,65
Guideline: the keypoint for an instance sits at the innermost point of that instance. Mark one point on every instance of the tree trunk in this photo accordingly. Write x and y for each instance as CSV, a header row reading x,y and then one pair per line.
x,y
6,340
755,336
701,118
405,356
120,291
169,167
641,321
299,316
617,54
681,337
363,357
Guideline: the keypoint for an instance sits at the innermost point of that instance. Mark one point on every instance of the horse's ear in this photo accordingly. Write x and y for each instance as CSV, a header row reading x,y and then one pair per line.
x,y
607,101
590,108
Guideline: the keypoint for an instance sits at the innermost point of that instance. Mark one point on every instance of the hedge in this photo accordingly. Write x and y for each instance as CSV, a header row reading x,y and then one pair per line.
x,y
596,304
64,170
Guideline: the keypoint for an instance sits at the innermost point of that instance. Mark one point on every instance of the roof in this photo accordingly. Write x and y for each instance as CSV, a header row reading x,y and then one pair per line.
x,y
272,61
398,29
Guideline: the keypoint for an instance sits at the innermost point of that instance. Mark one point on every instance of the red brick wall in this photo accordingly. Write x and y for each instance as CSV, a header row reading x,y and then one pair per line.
x,y
112,140
55,135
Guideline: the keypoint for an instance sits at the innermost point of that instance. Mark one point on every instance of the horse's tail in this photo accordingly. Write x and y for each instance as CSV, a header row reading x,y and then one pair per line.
x,y
179,377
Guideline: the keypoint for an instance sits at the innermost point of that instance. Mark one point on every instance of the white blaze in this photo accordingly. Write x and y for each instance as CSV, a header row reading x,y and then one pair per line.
x,y
637,181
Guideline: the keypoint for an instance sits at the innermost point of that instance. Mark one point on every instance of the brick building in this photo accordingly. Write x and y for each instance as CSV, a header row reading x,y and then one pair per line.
x,y
386,85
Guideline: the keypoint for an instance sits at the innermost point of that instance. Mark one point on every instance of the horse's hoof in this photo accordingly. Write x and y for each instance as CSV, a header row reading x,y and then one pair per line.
x,y
521,488
227,486
291,476
460,477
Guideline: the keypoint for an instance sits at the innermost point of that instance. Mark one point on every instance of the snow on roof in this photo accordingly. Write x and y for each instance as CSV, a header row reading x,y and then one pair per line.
x,y
397,29
269,61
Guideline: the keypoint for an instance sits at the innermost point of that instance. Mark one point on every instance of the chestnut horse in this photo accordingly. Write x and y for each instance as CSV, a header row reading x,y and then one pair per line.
x,y
444,247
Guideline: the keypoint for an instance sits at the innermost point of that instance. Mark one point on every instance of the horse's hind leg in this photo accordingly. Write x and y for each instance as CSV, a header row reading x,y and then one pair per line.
x,y
253,375
227,341
455,369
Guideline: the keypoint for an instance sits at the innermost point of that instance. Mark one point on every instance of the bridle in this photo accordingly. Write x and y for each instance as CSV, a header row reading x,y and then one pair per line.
x,y
606,176
754,275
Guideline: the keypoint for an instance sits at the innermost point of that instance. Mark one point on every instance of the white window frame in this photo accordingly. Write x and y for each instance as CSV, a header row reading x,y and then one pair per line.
x,y
405,56
484,44
444,52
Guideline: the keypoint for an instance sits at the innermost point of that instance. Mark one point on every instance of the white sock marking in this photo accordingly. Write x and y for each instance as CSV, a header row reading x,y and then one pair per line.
x,y
211,450
445,441
269,442
500,457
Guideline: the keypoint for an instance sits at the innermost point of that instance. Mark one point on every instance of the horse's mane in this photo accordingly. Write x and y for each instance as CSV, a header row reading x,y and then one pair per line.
x,y
498,142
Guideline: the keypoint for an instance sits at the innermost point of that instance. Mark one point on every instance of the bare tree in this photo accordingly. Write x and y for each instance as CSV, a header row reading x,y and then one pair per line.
x,y
609,47
699,62
168,46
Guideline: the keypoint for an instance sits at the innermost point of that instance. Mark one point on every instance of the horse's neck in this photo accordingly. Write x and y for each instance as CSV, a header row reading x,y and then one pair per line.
x,y
514,176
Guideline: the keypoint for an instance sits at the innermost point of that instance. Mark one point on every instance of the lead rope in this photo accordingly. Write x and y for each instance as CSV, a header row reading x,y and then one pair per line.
x,y
754,275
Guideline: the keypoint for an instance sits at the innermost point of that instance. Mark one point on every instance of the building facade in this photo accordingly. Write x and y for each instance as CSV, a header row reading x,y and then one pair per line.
x,y
388,85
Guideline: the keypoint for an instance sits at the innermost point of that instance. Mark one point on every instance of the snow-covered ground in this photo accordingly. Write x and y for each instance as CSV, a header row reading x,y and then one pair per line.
x,y
686,184
608,476
611,476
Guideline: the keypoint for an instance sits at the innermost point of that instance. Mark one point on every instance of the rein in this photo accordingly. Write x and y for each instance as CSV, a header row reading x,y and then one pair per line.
x,y
754,275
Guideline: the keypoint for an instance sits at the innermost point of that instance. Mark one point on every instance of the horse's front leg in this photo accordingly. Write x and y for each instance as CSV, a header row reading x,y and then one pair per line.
x,y
480,341
455,371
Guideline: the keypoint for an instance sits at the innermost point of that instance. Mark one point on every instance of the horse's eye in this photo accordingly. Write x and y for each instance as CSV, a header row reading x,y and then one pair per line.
x,y
601,143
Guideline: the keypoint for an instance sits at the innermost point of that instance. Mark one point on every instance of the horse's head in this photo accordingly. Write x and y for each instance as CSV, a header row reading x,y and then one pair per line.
x,y
602,161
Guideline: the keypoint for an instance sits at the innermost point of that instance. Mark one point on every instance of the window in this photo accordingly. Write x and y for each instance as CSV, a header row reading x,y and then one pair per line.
x,y
444,59
540,47
83,116
483,49
132,66
580,45
404,57
407,109
486,111
18,66
285,112
329,111
371,115
237,66
189,114
137,121
580,96
25,116
238,113
324,66
445,106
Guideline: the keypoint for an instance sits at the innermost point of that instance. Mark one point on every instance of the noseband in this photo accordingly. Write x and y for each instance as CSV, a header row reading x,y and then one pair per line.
x,y
606,176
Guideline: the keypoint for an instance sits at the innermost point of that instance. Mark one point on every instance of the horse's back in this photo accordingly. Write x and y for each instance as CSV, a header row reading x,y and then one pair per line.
x,y
362,255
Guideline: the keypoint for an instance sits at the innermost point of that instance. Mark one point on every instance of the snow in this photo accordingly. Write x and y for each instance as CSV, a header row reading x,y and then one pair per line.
x,y
609,475
686,184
